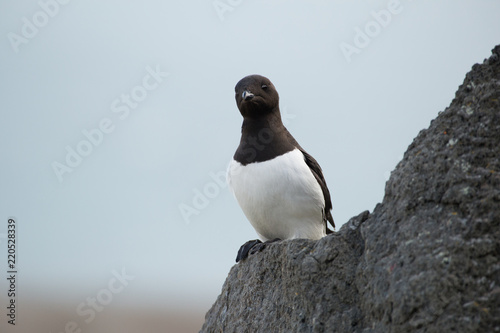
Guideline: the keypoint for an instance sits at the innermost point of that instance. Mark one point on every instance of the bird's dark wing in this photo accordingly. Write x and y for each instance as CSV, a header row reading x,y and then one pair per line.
x,y
318,174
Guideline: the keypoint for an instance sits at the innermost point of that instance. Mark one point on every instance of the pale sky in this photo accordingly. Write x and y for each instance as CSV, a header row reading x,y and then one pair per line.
x,y
133,104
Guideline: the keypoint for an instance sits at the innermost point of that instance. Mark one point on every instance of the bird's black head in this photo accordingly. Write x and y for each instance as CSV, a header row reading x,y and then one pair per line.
x,y
256,96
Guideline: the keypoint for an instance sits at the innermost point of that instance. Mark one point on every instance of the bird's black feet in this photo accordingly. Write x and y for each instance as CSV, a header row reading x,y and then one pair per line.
x,y
252,247
245,248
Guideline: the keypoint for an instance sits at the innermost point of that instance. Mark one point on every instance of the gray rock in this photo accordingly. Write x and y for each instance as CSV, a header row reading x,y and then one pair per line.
x,y
426,260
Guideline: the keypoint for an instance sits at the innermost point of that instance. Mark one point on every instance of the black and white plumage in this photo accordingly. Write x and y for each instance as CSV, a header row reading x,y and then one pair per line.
x,y
278,185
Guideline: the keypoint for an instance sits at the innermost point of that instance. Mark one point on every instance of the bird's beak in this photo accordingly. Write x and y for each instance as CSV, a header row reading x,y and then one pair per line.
x,y
247,95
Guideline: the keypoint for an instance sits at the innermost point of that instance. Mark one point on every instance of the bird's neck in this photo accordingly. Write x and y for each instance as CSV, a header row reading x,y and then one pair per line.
x,y
269,122
263,138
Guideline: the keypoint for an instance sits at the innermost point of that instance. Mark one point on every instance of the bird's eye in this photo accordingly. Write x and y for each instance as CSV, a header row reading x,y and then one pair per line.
x,y
264,86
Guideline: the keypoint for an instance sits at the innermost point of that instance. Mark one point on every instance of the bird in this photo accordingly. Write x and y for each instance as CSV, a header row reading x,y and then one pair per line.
x,y
278,185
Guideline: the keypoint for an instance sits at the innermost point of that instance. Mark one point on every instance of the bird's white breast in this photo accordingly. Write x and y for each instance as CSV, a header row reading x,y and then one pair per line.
x,y
280,197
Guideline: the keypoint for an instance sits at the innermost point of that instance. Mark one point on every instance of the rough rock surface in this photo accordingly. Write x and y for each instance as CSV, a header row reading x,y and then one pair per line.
x,y
426,260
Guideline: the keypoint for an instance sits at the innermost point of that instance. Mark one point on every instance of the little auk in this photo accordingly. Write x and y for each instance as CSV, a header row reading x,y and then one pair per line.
x,y
278,185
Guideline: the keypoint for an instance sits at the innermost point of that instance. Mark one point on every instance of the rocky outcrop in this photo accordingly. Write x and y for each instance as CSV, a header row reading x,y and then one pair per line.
x,y
427,259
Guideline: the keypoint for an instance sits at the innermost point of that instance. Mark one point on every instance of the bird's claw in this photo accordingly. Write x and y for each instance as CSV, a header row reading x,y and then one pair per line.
x,y
252,247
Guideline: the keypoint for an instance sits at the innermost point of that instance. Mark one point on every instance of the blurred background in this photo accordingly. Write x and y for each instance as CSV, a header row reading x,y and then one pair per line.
x,y
119,120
